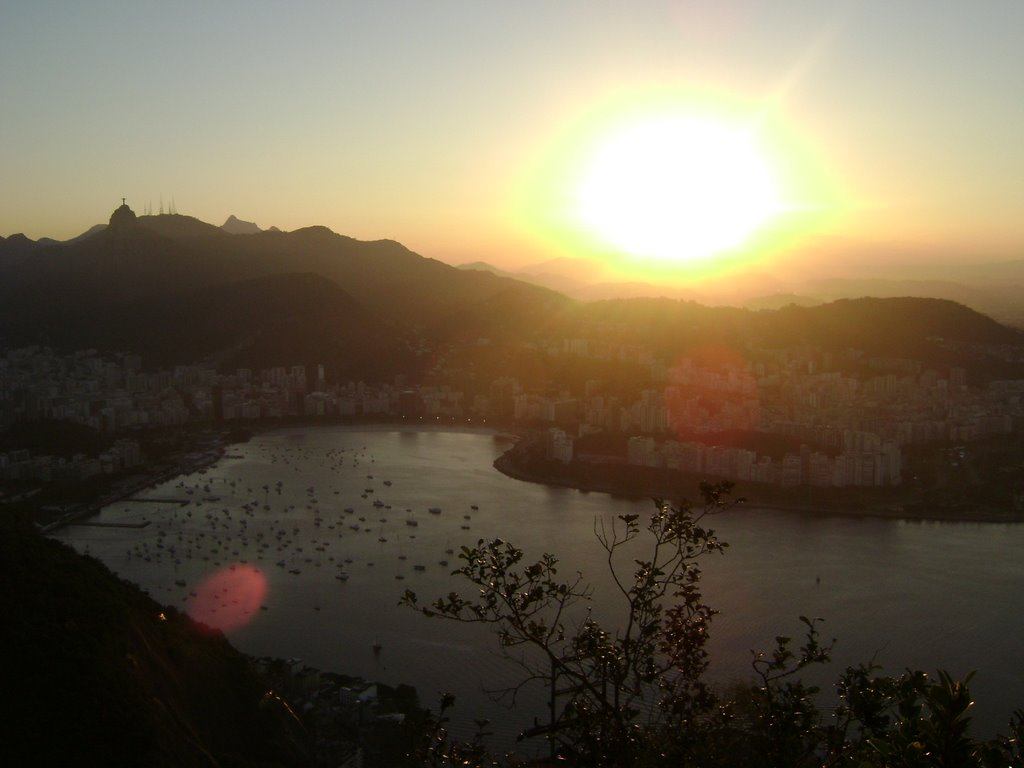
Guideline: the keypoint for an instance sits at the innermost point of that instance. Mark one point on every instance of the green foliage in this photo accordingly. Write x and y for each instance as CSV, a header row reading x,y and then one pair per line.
x,y
437,748
783,712
609,689
635,695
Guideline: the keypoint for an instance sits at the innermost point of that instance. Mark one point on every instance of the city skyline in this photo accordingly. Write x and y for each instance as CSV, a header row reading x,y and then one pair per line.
x,y
470,132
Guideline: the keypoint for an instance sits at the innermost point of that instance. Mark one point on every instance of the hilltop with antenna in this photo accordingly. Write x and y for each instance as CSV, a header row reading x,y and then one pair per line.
x,y
171,208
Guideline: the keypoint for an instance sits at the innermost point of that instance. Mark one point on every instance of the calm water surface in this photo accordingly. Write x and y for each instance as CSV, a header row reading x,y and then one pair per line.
x,y
923,595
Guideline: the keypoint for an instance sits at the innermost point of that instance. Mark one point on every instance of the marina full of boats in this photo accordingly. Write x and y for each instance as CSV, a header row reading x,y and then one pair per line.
x,y
200,524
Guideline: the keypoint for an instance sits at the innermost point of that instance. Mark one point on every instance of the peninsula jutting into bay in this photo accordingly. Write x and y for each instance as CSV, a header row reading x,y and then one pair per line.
x,y
900,406
321,514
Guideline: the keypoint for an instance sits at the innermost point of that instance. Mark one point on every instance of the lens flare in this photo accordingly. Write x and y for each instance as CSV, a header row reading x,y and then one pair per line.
x,y
711,391
229,599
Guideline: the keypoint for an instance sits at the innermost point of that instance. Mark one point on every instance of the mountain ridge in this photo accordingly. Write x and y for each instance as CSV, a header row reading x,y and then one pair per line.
x,y
179,290
994,288
236,226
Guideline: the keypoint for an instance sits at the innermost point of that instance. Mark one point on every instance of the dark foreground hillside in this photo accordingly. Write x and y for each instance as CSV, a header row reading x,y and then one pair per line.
x,y
97,673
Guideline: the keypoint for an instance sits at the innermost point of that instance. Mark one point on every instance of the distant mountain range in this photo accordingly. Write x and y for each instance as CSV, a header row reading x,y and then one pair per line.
x,y
178,290
993,288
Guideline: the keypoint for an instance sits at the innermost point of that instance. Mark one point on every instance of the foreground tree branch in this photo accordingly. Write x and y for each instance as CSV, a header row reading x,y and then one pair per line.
x,y
632,693
603,683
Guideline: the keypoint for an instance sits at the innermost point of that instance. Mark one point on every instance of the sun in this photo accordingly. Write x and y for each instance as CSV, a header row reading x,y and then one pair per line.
x,y
678,189
674,185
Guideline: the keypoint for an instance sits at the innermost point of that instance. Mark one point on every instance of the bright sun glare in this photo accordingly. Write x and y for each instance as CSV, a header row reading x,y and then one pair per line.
x,y
677,189
673,185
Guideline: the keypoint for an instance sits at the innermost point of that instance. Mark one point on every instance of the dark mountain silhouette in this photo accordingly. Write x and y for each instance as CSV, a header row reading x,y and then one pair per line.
x,y
894,325
177,226
935,331
235,226
17,245
258,322
999,300
43,241
140,282
88,233
178,290
993,288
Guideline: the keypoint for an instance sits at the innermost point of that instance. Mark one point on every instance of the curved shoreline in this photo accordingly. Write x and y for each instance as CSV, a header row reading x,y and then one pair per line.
x,y
198,461
507,465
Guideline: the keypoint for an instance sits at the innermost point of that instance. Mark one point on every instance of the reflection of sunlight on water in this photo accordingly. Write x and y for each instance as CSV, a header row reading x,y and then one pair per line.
x,y
229,598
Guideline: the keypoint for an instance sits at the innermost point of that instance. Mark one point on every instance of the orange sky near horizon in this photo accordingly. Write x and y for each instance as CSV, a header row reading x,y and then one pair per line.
x,y
466,131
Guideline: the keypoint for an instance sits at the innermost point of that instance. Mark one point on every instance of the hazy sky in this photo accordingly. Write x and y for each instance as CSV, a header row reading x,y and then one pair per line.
x,y
463,129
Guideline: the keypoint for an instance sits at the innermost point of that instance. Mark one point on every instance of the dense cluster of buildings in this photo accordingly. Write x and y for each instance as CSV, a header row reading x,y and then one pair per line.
x,y
852,428
865,461
21,464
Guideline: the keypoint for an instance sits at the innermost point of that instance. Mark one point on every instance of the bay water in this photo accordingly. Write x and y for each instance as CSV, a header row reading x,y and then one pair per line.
x,y
338,522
